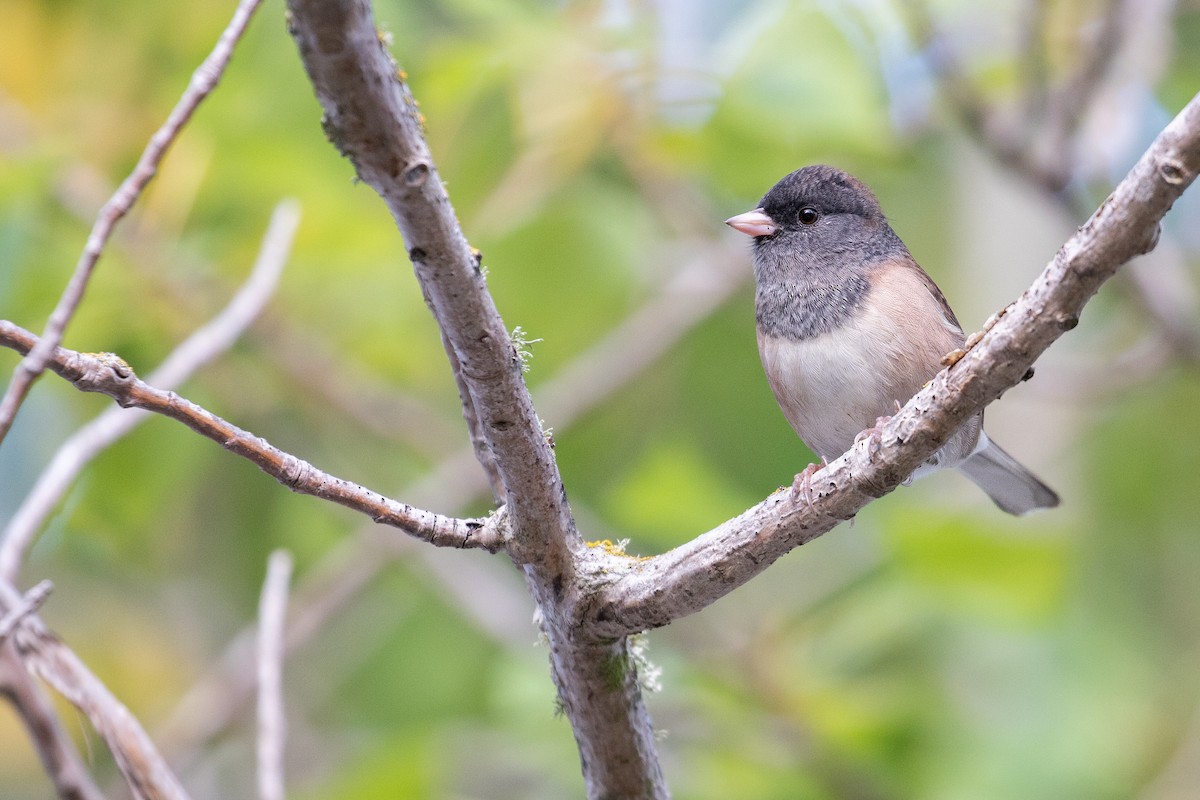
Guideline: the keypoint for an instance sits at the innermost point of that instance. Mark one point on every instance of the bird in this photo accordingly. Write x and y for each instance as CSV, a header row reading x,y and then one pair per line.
x,y
850,327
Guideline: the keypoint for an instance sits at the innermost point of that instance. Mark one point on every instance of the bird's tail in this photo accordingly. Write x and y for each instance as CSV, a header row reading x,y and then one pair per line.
x,y
1011,486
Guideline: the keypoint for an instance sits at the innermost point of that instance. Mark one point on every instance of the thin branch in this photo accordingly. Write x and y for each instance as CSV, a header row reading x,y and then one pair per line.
x,y
1070,104
143,768
652,592
272,729
203,81
47,657
1006,145
224,692
57,752
30,602
108,374
205,344
479,443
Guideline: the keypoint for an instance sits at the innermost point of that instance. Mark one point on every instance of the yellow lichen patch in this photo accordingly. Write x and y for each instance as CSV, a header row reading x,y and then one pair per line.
x,y
113,362
616,548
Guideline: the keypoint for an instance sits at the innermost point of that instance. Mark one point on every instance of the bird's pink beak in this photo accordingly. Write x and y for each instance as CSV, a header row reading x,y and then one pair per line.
x,y
753,223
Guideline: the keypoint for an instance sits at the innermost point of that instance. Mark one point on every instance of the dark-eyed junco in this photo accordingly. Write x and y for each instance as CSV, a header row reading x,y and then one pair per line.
x,y
849,326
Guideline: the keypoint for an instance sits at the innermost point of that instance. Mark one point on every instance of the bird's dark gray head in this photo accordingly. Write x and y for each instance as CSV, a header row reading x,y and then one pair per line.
x,y
817,233
815,218
821,206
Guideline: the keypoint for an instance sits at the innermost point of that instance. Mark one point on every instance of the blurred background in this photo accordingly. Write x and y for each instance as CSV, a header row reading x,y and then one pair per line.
x,y
936,648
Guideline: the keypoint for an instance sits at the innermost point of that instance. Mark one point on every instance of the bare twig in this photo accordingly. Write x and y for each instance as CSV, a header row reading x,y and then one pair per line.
x,y
143,768
479,443
52,661
1068,106
59,757
224,692
200,348
1006,144
652,592
30,602
203,81
271,726
109,374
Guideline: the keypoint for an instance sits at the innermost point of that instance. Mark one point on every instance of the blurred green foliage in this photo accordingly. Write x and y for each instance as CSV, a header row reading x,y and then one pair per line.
x,y
933,649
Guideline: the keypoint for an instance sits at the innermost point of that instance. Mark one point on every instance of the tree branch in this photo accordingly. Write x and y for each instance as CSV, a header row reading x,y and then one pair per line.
x,y
203,81
652,592
30,602
109,374
51,660
205,344
371,117
145,771
272,615
58,754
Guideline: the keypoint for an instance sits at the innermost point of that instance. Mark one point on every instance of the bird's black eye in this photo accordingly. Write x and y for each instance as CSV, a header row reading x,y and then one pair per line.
x,y
808,216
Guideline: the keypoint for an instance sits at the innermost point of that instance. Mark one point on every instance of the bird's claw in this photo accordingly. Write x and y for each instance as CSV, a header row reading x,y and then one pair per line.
x,y
802,484
875,432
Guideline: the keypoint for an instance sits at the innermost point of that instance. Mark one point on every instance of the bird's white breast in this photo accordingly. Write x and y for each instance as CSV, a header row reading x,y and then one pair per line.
x,y
832,386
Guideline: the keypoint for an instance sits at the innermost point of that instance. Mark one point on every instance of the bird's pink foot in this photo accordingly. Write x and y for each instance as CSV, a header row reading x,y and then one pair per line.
x,y
874,432
802,485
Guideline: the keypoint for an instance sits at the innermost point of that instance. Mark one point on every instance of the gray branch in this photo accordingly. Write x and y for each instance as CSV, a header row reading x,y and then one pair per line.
x,y
205,344
203,81
272,729
108,374
371,117
60,759
46,656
